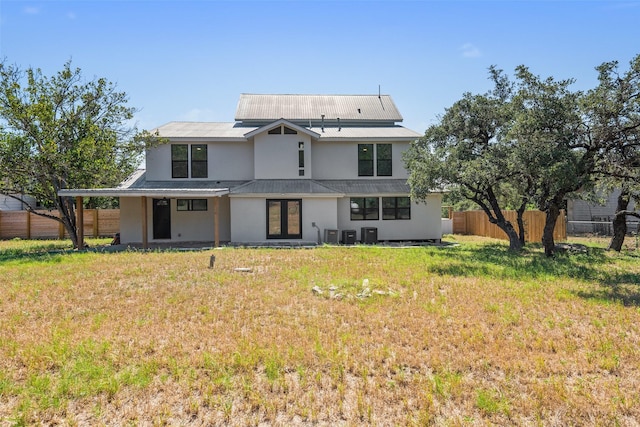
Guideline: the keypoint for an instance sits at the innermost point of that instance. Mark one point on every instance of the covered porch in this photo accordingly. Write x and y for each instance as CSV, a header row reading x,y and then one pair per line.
x,y
143,221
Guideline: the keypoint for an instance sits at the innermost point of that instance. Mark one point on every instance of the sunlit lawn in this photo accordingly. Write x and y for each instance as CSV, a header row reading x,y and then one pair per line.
x,y
464,334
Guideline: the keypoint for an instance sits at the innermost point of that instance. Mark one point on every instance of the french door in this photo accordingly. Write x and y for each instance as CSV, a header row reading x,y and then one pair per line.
x,y
284,219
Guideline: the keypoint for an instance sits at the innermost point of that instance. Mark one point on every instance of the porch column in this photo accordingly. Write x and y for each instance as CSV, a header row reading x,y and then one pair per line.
x,y
145,237
216,226
80,222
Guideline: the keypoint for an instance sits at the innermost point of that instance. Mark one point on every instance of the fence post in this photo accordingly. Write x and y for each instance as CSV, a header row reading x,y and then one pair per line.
x,y
28,225
96,228
80,222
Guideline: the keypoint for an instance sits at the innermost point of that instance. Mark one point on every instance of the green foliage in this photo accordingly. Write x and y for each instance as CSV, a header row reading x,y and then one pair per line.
x,y
613,112
63,132
533,142
467,155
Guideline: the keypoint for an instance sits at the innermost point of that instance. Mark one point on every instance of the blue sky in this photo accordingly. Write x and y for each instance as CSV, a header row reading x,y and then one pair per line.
x,y
190,60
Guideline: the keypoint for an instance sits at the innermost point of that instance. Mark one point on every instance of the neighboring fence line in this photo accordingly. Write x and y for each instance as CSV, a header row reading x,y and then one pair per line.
x,y
26,225
476,223
106,222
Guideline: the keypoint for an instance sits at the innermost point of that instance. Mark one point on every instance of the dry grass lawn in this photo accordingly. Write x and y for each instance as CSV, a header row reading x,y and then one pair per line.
x,y
457,335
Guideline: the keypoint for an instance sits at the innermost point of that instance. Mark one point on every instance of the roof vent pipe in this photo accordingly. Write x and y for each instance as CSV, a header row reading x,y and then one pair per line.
x,y
322,115
339,127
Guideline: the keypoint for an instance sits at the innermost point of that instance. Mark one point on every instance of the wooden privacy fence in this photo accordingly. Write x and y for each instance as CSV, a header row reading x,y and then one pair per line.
x,y
476,223
26,225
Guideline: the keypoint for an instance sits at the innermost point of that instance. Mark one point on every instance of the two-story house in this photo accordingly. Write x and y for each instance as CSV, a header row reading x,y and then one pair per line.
x,y
291,168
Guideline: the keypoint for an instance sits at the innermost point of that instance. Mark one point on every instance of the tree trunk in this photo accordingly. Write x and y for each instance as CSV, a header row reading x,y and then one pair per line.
x,y
520,220
553,212
620,222
515,243
495,215
67,216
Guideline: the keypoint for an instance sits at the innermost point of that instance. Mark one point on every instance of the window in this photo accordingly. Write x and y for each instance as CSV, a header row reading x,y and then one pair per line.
x,y
396,208
179,161
365,159
199,167
289,131
284,219
364,208
383,159
282,129
301,158
192,204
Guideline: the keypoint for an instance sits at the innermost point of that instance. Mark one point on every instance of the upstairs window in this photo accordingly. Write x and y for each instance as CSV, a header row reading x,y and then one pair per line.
x,y
180,156
378,155
383,159
199,165
365,159
301,158
179,161
282,130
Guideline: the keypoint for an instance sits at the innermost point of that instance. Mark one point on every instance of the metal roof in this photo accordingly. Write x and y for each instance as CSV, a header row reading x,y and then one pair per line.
x,y
288,187
329,187
137,185
363,133
209,130
368,186
234,132
285,186
262,107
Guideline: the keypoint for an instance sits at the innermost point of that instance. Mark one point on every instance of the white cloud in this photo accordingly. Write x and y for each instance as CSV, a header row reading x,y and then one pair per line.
x,y
31,10
470,51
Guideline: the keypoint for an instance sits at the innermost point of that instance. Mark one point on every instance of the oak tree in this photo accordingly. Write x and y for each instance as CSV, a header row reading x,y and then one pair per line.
x,y
465,154
62,132
612,111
